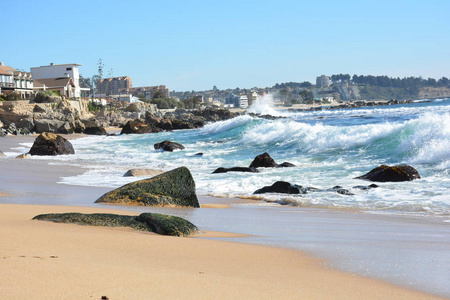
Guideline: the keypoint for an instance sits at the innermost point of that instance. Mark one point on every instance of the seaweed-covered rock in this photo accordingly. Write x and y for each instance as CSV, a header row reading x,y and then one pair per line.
x,y
161,224
173,188
236,169
168,146
51,144
282,187
385,173
263,160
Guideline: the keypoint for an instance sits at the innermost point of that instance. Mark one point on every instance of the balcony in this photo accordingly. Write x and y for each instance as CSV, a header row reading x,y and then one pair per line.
x,y
6,85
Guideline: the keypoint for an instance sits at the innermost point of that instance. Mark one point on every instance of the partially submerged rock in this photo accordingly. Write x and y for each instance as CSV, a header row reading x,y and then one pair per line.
x,y
142,172
386,173
51,144
236,169
265,161
95,130
158,223
282,187
173,188
168,146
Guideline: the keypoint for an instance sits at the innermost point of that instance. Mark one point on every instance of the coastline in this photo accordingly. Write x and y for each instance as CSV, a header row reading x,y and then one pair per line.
x,y
22,172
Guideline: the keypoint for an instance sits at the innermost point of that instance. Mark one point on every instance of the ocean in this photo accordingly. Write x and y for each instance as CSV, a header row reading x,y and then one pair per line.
x,y
399,232
329,148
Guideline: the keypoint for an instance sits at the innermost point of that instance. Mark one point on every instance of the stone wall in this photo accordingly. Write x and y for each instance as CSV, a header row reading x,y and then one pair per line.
x,y
22,107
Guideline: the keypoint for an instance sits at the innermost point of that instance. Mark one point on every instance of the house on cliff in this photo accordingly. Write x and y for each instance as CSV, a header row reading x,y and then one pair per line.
x,y
14,81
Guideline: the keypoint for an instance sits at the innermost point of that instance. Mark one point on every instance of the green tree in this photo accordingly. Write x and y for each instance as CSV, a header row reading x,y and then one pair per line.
x,y
12,96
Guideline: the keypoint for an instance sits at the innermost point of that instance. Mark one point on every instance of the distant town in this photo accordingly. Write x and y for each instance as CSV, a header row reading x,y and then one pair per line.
x,y
65,80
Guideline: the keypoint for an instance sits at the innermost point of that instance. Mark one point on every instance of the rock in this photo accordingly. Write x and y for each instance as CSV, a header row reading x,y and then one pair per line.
x,y
95,131
263,160
51,144
26,124
173,188
342,191
161,224
23,156
200,154
286,165
2,154
385,173
39,109
135,127
236,169
133,107
79,126
168,146
282,187
142,172
47,125
66,128
364,187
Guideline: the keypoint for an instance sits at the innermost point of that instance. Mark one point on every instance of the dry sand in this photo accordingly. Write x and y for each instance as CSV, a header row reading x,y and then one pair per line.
x,y
44,260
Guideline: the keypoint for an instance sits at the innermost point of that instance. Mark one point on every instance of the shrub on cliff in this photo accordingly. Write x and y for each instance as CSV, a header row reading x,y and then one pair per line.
x,y
12,96
47,97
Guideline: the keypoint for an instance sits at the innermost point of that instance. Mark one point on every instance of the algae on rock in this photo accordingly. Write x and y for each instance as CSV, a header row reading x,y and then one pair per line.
x,y
158,223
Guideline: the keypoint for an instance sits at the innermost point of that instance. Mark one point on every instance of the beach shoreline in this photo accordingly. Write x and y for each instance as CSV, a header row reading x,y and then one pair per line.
x,y
19,176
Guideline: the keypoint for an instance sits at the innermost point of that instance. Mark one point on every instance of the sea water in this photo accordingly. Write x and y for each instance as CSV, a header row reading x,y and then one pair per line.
x,y
329,148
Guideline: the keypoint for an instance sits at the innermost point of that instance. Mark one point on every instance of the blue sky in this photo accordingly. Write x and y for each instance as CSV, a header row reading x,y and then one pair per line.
x,y
194,45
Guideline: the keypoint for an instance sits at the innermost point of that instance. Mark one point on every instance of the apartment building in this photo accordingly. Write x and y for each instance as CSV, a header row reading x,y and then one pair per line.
x,y
150,91
115,85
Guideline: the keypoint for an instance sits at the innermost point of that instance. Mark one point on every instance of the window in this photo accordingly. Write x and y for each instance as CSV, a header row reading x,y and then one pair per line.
x,y
68,69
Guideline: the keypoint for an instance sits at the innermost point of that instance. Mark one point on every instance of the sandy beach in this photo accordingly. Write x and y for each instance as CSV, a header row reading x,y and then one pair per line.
x,y
44,260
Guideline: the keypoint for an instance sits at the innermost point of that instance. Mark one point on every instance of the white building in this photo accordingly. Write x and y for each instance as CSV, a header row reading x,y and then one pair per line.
x,y
60,71
243,101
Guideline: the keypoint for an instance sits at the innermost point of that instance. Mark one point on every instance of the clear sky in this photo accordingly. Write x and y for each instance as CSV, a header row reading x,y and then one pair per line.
x,y
196,44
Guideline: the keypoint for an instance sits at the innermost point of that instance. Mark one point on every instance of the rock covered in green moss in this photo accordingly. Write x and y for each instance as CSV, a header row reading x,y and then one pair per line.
x,y
158,223
173,188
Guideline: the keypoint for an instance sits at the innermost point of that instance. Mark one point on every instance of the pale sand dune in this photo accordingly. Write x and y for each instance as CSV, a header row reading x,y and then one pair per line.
x,y
44,260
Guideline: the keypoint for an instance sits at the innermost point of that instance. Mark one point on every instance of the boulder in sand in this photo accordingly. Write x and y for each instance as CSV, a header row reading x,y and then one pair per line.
x,y
51,144
173,188
135,127
158,223
386,173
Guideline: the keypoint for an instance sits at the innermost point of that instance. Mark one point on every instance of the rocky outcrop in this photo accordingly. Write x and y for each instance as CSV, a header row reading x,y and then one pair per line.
x,y
51,144
142,172
265,161
236,169
386,173
168,146
158,223
136,127
173,188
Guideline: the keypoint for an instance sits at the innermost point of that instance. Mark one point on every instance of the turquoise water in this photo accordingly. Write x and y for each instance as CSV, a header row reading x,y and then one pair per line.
x,y
329,147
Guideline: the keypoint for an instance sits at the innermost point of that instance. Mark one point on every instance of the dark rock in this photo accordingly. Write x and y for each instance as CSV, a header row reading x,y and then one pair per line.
x,y
26,124
47,125
39,109
79,126
200,154
263,160
342,191
66,128
168,146
161,224
236,169
173,188
95,131
51,144
135,127
142,172
365,187
282,187
286,165
385,173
